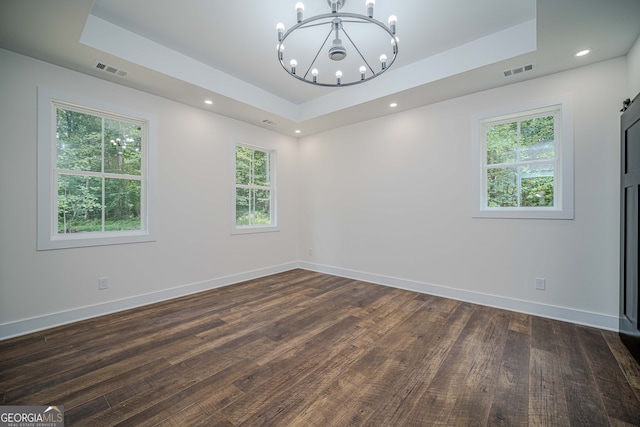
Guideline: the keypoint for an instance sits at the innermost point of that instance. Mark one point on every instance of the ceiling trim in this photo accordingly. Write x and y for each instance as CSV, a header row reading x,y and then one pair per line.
x,y
112,39
105,36
511,42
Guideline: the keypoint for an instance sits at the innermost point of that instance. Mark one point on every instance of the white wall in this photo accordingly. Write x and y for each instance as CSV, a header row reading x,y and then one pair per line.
x,y
389,200
633,60
194,250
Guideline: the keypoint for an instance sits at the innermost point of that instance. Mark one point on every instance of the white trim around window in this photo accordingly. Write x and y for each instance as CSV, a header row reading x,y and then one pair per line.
x,y
48,235
560,164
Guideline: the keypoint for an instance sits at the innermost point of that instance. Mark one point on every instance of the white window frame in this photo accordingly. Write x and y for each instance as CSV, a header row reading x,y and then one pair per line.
x,y
563,162
256,228
47,233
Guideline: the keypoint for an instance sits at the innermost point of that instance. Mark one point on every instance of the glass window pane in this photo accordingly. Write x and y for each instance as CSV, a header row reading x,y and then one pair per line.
x,y
537,138
243,206
123,145
537,186
78,141
122,204
79,204
262,214
502,187
261,168
244,158
502,143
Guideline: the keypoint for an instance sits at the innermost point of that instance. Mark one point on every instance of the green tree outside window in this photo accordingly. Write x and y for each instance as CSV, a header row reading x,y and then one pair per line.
x,y
520,162
98,172
254,187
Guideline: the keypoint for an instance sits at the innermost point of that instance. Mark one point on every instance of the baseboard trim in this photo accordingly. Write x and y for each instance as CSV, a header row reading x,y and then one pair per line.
x,y
596,320
34,324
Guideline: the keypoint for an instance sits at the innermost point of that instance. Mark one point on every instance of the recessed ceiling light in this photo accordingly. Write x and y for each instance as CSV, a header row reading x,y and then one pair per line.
x,y
583,52
393,105
208,101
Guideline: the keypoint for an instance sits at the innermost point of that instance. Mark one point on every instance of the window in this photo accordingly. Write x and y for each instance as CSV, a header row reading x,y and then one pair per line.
x,y
523,163
254,189
93,186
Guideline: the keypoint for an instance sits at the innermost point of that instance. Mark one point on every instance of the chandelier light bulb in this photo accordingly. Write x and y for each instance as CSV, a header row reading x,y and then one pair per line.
x,y
363,70
314,74
393,20
299,10
394,44
383,61
334,6
293,64
370,4
280,29
339,76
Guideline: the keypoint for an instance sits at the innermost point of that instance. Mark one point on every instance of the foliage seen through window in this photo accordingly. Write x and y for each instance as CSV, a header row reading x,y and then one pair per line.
x,y
253,187
521,162
98,173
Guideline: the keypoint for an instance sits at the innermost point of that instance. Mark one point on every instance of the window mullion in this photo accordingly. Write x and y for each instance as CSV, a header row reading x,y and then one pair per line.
x,y
252,191
103,178
518,161
525,163
252,205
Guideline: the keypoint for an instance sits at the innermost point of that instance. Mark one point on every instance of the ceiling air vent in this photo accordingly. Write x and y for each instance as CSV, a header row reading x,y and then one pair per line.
x,y
518,70
111,69
269,122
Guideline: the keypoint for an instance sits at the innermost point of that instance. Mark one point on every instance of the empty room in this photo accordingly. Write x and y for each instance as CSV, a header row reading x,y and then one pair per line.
x,y
319,213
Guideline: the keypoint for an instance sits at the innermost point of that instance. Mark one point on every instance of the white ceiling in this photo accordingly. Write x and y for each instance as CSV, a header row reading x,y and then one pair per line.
x,y
192,50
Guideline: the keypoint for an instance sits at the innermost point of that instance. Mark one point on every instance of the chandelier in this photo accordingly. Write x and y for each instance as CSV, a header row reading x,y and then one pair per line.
x,y
361,47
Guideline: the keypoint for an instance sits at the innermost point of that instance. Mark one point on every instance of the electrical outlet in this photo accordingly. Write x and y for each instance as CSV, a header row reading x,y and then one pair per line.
x,y
541,283
103,283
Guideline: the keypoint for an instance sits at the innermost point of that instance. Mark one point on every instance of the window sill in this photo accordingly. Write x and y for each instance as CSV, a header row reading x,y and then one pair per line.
x,y
519,213
251,229
94,239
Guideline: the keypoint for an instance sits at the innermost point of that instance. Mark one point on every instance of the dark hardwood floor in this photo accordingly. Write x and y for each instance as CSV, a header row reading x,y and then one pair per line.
x,y
307,349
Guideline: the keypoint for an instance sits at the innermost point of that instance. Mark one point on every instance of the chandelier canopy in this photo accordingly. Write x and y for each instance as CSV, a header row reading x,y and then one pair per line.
x,y
357,48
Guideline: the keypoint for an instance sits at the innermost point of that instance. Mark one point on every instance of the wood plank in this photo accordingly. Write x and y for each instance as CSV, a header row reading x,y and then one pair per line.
x,y
549,356
618,397
546,404
627,363
584,404
511,397
520,322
